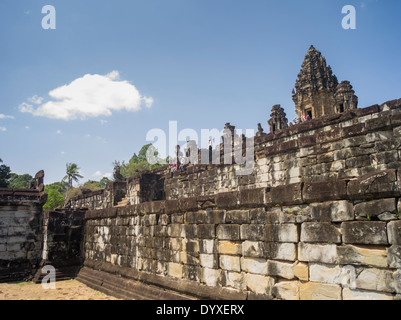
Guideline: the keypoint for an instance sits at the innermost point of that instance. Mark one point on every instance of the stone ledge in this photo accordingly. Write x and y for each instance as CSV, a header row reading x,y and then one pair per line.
x,y
375,185
185,287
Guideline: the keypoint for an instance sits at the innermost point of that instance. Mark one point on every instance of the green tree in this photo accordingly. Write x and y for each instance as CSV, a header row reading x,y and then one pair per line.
x,y
139,162
103,182
19,181
55,197
5,174
72,174
91,185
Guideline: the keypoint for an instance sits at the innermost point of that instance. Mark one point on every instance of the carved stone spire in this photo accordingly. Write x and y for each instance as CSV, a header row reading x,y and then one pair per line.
x,y
278,120
315,86
345,97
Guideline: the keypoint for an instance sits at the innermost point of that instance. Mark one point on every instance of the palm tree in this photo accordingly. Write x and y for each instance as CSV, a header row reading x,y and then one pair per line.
x,y
72,174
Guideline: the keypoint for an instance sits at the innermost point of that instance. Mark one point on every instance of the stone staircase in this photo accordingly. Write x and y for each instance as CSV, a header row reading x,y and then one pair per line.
x,y
123,202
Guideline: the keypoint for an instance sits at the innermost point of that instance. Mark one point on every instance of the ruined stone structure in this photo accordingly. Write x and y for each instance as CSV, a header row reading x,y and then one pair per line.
x,y
317,92
317,218
278,120
21,236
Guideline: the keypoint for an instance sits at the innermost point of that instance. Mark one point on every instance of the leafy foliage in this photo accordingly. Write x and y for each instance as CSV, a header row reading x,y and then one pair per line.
x,y
72,173
20,181
55,197
5,174
139,162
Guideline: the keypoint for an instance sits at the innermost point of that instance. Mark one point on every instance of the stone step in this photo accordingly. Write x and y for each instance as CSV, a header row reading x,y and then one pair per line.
x,y
124,288
124,202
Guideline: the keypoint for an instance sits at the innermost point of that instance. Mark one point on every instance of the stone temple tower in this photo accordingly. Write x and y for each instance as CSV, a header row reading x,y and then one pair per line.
x,y
317,92
278,120
345,97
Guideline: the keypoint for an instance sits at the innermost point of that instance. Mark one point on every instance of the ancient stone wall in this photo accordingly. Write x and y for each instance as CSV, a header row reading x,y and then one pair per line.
x,y
63,235
317,219
336,239
346,145
146,186
106,198
20,232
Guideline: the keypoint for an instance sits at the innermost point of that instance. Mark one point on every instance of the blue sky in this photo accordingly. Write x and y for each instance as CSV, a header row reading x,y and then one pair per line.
x,y
199,62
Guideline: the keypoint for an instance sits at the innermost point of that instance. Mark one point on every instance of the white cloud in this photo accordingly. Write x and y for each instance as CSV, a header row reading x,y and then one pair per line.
x,y
62,152
4,116
99,174
114,75
27,127
92,95
103,122
26,107
3,129
58,131
148,101
35,99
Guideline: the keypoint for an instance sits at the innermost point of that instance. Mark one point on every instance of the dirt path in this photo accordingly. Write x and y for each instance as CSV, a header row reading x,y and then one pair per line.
x,y
65,290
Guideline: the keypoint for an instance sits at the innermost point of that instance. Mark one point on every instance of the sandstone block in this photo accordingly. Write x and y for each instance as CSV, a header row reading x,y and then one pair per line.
x,y
258,216
285,195
350,294
253,232
206,231
364,232
281,233
281,251
231,263
229,247
214,216
324,191
190,245
394,256
320,232
280,269
175,244
175,270
301,271
211,277
286,290
206,246
375,208
394,232
356,255
237,216
397,281
324,253
374,185
192,272
251,197
254,249
234,279
376,280
319,291
254,265
227,200
189,231
341,211
208,261
228,232
344,275
259,284
174,230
